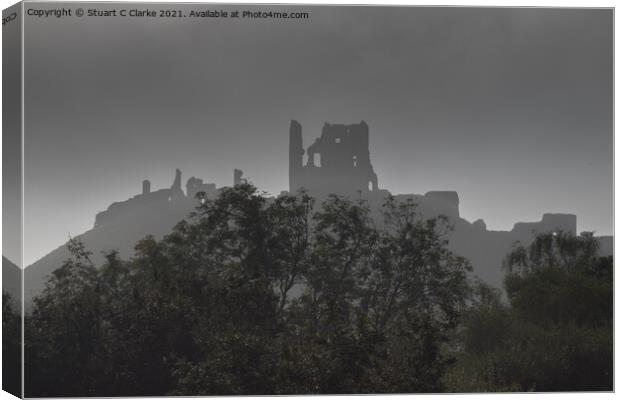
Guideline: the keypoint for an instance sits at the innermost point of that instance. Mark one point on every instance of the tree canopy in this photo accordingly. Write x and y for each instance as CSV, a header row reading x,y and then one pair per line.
x,y
555,333
254,295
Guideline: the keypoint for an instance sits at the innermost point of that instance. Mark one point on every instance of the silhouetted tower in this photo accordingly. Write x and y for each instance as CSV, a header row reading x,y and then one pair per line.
x,y
146,186
295,156
238,177
176,185
175,189
338,161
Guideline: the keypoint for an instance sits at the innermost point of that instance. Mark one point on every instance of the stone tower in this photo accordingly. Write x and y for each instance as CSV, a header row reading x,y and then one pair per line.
x,y
337,162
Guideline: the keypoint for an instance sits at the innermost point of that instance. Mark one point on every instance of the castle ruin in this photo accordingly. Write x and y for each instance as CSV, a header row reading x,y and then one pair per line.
x,y
337,162
152,204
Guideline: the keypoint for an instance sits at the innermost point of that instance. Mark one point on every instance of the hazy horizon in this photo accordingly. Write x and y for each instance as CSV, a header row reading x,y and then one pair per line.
x,y
511,108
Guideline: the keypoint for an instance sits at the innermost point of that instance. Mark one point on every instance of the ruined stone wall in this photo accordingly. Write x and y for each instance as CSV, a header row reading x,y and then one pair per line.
x,y
550,223
159,201
337,162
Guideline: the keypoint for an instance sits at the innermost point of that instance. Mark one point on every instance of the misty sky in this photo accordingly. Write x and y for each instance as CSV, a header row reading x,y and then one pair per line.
x,y
512,108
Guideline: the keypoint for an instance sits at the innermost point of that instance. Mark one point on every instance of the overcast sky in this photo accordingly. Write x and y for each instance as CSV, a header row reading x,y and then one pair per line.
x,y
512,108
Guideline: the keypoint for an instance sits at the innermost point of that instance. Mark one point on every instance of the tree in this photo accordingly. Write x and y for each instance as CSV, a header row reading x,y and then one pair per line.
x,y
378,303
251,295
63,330
555,333
11,347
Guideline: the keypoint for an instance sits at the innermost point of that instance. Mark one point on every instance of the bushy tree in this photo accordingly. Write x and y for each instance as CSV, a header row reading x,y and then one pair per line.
x,y
251,295
555,333
378,303
63,330
11,346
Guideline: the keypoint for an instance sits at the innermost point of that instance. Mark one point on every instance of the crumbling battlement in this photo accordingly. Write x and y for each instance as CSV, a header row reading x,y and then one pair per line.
x,y
161,200
337,162
550,223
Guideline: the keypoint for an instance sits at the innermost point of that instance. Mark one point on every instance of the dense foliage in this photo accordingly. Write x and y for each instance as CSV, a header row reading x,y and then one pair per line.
x,y
281,296
556,334
11,346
